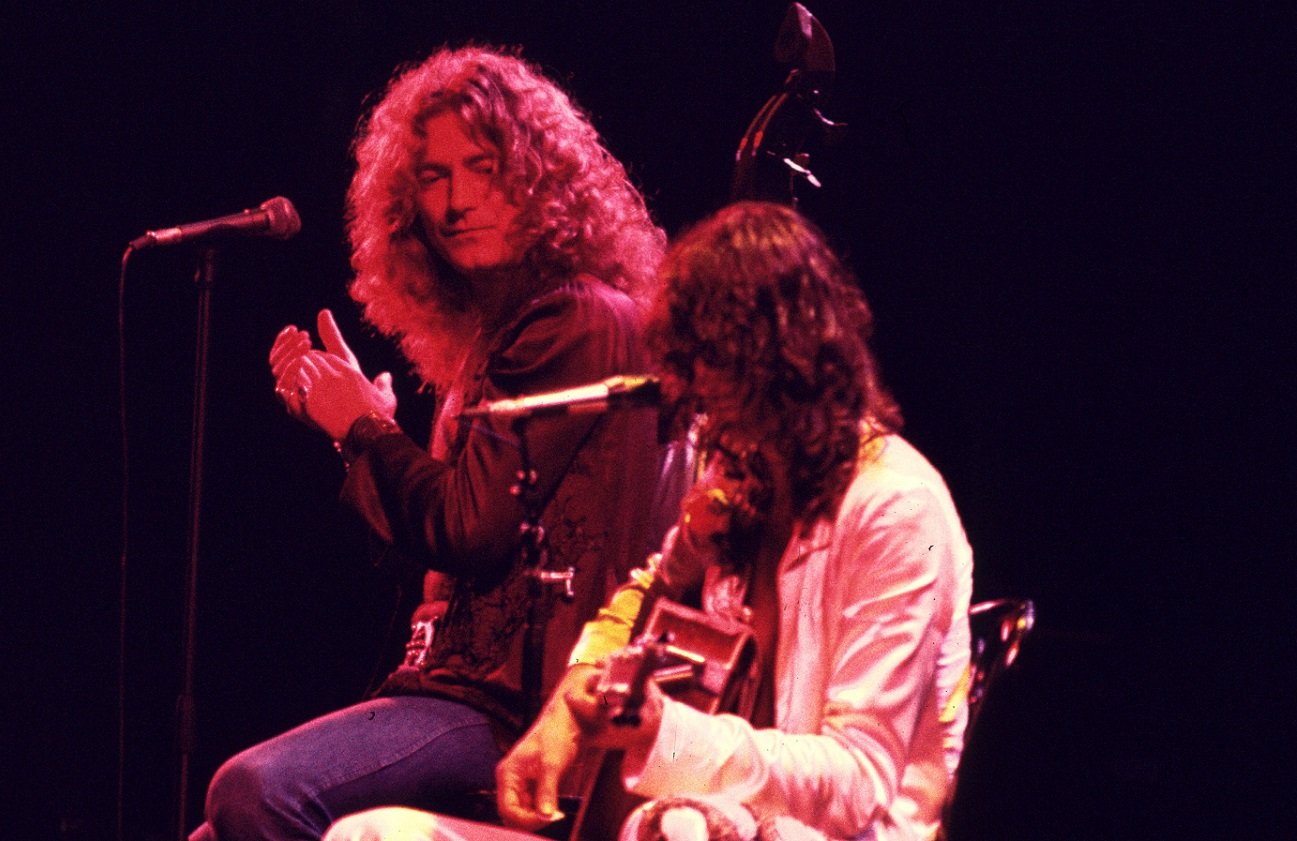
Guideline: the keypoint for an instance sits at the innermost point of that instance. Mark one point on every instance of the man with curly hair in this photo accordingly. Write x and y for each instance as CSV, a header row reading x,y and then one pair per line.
x,y
506,251
816,523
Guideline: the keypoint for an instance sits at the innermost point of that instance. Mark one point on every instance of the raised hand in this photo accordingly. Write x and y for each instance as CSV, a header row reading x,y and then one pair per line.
x,y
326,389
333,395
335,344
289,347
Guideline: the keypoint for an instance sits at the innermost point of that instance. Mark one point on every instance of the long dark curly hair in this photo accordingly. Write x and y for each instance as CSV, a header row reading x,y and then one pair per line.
x,y
756,293
578,207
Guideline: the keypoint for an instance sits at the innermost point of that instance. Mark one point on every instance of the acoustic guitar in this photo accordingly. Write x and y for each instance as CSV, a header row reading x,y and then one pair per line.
x,y
696,658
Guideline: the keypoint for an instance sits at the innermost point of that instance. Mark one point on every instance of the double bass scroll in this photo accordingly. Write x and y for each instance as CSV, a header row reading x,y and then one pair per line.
x,y
773,157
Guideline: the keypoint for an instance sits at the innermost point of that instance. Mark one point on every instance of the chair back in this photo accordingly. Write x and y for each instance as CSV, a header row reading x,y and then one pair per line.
x,y
998,628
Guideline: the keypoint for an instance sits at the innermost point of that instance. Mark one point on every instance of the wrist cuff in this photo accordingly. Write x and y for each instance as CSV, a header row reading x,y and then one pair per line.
x,y
364,431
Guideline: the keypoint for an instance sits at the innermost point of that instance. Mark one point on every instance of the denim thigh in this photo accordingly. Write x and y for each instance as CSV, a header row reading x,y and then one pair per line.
x,y
409,750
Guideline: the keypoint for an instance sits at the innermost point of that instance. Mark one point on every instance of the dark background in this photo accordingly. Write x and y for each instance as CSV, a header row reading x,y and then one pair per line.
x,y
1073,221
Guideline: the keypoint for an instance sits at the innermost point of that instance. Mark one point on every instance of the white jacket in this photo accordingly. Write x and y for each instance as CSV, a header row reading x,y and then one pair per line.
x,y
871,665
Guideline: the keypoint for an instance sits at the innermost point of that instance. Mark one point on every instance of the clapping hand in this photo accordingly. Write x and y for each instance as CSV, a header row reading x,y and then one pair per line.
x,y
326,389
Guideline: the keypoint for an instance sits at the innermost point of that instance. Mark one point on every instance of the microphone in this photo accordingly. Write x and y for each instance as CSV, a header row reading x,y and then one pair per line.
x,y
620,391
275,218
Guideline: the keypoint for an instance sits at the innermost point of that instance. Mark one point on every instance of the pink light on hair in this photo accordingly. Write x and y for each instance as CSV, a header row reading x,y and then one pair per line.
x,y
577,203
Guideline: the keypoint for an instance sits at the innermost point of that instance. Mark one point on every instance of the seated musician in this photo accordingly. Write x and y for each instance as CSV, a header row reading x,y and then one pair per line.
x,y
506,251
815,521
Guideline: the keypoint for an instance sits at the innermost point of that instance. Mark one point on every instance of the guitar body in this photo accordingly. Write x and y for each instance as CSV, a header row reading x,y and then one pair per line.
x,y
698,659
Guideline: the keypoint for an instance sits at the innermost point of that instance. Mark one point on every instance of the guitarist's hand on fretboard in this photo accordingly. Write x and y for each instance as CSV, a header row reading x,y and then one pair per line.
x,y
622,714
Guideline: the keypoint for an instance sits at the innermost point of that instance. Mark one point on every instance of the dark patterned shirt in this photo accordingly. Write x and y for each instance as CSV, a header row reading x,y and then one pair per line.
x,y
456,514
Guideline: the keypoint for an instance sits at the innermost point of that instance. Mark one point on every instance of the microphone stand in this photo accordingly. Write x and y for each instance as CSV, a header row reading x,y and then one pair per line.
x,y
535,557
203,278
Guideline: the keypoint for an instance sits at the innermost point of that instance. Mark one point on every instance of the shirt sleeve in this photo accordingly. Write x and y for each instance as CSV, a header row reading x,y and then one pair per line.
x,y
668,573
461,516
611,628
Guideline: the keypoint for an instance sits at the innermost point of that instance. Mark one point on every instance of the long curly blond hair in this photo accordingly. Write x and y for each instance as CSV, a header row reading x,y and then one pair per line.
x,y
578,207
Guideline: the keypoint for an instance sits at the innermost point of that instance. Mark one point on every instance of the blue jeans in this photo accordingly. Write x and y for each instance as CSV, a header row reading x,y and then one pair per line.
x,y
414,751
